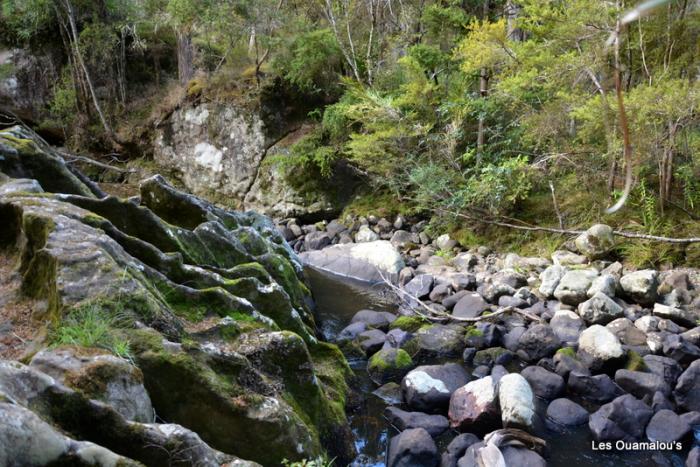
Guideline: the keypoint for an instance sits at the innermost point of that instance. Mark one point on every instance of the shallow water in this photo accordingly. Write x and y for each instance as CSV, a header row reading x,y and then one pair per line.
x,y
338,299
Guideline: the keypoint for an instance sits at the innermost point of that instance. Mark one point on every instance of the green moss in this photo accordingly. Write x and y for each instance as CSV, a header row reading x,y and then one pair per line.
x,y
22,145
567,352
635,362
407,323
401,360
472,331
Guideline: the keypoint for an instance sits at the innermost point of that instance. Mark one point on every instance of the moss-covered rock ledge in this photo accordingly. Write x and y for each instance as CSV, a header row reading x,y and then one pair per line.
x,y
208,304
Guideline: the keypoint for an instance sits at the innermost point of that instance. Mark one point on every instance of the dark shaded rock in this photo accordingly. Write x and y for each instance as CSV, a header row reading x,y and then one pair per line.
x,y
625,418
420,286
412,448
374,319
428,388
390,393
687,391
372,341
564,412
470,305
641,385
539,341
521,457
684,316
512,339
439,340
351,331
693,457
565,362
317,240
483,335
440,292
627,332
544,384
598,388
567,325
665,367
435,425
677,348
456,449
493,356
661,402
665,425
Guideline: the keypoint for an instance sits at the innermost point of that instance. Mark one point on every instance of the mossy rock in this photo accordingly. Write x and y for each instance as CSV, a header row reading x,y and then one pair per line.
x,y
635,362
407,323
389,364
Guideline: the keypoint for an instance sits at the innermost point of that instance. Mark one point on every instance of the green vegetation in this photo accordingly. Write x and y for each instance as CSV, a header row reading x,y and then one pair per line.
x,y
485,109
93,325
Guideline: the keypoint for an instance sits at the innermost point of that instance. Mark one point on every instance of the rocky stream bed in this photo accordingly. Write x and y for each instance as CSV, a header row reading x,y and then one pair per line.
x,y
163,330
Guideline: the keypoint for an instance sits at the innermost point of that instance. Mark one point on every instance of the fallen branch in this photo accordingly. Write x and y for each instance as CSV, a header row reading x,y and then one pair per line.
x,y
441,316
619,233
72,158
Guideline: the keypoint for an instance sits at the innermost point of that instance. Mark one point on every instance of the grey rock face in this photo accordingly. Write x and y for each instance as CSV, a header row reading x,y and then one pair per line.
x,y
596,242
667,426
573,286
104,377
599,309
687,391
544,383
640,286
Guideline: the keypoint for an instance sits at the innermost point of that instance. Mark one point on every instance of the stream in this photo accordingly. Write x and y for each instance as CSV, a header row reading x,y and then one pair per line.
x,y
339,298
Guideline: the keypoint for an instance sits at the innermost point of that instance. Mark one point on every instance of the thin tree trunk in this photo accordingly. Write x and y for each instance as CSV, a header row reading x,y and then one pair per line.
x,y
185,57
483,92
86,73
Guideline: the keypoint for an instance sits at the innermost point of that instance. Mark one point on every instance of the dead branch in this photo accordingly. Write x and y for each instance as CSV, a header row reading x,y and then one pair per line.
x,y
619,233
441,316
72,158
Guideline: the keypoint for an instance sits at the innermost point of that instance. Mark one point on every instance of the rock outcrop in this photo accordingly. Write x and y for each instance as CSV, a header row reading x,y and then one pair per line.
x,y
208,304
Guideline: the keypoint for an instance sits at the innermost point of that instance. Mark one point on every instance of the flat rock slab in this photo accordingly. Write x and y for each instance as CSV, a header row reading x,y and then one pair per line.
x,y
366,262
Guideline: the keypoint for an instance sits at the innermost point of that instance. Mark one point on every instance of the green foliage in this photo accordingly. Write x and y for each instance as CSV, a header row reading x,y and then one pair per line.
x,y
322,461
312,62
93,325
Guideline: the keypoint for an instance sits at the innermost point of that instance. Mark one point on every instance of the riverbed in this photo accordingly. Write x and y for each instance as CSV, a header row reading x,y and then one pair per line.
x,y
338,299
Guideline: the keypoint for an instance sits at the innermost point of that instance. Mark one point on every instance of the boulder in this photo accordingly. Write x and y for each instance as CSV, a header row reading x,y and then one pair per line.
x,y
371,341
470,305
474,406
687,392
640,286
364,261
411,448
428,388
598,388
456,449
666,367
684,317
573,286
435,425
545,384
365,234
625,418
567,325
693,457
516,401
599,309
605,284
492,356
440,292
317,240
389,364
567,258
539,341
438,340
596,242
402,239
598,347
565,413
420,286
374,319
28,440
99,376
445,243
627,332
679,349
642,385
667,426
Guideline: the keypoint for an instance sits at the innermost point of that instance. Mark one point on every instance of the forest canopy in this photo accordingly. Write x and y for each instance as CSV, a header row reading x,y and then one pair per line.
x,y
498,108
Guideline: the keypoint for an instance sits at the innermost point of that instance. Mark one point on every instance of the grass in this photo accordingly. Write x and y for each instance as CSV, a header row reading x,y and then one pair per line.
x,y
92,325
321,461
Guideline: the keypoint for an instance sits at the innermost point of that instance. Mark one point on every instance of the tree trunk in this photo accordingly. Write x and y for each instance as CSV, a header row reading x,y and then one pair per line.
x,y
513,32
185,57
483,92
